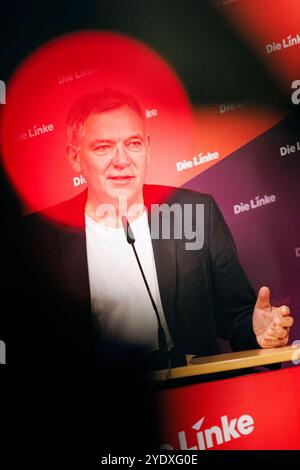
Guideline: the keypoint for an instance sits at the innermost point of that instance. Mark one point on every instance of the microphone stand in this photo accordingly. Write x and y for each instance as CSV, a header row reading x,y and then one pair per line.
x,y
162,340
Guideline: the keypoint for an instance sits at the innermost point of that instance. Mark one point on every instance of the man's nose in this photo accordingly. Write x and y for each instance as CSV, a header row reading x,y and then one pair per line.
x,y
120,158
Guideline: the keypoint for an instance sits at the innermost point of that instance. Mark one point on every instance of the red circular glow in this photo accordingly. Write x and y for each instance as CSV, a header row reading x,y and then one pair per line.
x,y
45,86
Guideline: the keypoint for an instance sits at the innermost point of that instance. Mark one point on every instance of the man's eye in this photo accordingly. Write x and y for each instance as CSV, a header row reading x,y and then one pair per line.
x,y
102,148
135,145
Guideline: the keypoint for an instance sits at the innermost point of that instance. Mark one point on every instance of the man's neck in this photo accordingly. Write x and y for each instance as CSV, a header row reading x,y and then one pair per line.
x,y
110,214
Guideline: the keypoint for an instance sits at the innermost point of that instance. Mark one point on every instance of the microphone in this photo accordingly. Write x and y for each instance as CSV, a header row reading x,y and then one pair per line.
x,y
162,340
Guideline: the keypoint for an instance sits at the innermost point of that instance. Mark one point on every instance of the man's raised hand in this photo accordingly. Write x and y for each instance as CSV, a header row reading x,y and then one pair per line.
x,y
271,325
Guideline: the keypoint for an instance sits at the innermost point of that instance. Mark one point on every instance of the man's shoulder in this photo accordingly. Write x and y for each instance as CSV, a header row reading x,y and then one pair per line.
x,y
159,194
69,213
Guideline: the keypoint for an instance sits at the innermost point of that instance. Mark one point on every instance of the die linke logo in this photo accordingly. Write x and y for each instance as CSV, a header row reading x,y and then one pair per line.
x,y
76,75
226,430
33,132
150,113
255,203
289,149
223,3
284,43
199,159
227,107
79,180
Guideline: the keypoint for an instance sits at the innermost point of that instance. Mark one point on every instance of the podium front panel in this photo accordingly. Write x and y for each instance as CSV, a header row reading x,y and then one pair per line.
x,y
255,411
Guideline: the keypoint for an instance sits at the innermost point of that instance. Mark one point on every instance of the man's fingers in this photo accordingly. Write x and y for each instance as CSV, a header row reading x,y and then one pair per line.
x,y
284,311
277,332
275,343
284,322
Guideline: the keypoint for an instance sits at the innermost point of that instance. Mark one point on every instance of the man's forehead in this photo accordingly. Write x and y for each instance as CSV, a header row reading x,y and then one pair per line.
x,y
114,121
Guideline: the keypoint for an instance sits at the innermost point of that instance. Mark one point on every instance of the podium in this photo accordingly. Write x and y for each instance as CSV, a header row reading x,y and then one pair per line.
x,y
222,403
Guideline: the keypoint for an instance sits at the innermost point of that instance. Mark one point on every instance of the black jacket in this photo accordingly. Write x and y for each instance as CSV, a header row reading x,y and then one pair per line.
x,y
205,293
60,396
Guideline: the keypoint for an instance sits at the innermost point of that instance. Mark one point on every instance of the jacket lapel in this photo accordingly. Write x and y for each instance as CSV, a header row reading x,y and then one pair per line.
x,y
165,259
74,261
73,252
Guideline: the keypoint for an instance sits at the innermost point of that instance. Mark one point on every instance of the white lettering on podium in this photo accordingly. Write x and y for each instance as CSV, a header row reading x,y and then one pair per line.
x,y
216,435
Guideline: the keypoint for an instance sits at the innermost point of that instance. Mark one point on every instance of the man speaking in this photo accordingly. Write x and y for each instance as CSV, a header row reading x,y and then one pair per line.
x,y
103,293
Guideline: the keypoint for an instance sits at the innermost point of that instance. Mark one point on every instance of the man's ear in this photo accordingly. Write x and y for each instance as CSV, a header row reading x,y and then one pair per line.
x,y
147,140
73,157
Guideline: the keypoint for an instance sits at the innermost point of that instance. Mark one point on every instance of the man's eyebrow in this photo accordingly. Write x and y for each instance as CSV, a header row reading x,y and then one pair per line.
x,y
110,141
135,136
102,141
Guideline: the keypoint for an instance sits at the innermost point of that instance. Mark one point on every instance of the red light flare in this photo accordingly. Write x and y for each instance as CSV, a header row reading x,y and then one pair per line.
x,y
48,82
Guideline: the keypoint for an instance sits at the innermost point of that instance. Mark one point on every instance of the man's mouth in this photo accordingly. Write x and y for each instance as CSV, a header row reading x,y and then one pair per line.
x,y
122,179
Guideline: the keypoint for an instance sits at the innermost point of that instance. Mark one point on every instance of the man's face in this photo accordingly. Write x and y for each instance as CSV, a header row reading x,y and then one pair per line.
x,y
113,154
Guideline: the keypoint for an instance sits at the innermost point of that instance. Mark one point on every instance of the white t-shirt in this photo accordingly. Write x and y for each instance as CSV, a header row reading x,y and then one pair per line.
x,y
119,299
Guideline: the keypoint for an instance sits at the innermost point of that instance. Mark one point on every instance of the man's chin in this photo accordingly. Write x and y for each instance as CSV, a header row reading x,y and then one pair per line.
x,y
125,195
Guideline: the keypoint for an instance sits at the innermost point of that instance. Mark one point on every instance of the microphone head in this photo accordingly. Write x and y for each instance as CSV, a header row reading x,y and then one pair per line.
x,y
127,229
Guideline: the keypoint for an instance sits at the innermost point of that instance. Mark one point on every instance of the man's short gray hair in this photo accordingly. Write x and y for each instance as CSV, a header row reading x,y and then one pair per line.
x,y
98,102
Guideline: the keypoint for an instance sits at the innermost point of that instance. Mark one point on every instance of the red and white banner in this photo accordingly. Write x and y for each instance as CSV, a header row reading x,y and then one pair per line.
x,y
260,411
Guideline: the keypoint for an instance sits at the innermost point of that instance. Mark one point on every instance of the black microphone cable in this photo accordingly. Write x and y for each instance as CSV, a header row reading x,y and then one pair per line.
x,y
162,339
